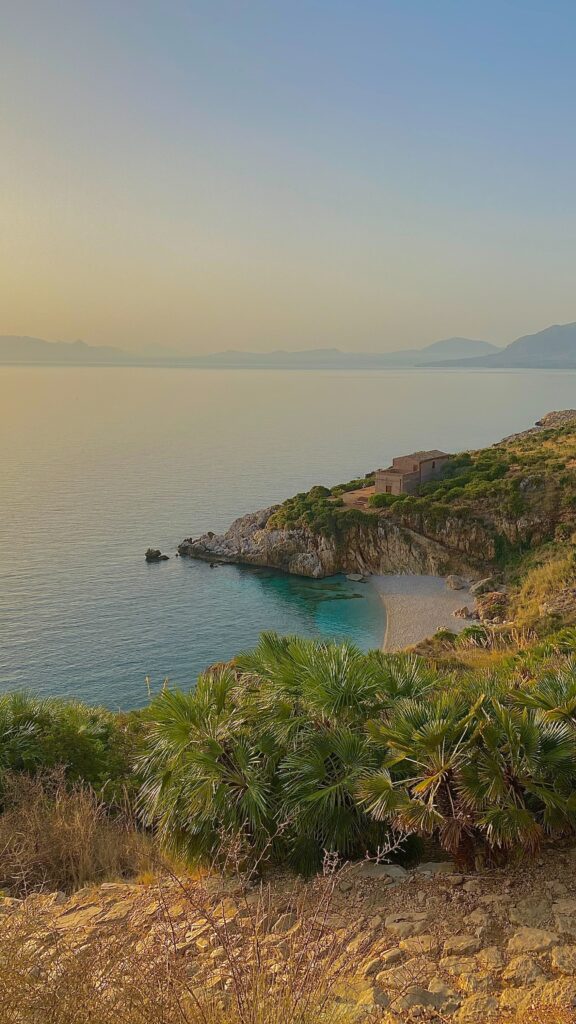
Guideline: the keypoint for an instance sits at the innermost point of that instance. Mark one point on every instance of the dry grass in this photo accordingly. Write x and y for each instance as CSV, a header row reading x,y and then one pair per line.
x,y
56,837
541,585
248,975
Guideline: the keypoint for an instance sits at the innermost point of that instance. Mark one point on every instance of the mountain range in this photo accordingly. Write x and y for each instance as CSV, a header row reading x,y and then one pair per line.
x,y
25,350
554,347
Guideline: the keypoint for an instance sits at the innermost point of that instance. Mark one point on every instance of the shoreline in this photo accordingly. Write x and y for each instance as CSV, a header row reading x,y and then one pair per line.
x,y
416,606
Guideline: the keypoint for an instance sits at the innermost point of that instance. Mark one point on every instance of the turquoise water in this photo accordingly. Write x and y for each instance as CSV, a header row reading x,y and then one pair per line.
x,y
99,464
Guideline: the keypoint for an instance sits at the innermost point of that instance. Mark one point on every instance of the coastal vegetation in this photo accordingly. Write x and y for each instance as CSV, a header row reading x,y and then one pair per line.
x,y
301,747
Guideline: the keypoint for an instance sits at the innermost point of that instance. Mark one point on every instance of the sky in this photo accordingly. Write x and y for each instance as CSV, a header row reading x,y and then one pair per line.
x,y
371,175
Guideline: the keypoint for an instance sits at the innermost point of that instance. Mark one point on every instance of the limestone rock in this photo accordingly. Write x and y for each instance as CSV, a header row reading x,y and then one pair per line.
x,y
448,1000
373,967
284,923
563,959
460,945
490,958
420,944
561,992
477,1009
532,940
411,972
454,582
463,613
415,996
482,586
360,993
564,912
522,971
533,912
370,869
383,546
514,1000
432,867
392,956
457,965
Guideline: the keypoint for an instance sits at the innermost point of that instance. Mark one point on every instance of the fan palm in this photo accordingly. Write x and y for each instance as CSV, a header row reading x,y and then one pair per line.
x,y
319,782
204,774
474,773
426,745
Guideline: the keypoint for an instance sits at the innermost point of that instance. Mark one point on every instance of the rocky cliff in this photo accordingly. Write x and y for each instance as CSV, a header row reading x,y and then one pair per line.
x,y
380,545
489,508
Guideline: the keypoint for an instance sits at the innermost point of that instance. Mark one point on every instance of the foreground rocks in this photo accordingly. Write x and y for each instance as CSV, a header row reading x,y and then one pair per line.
x,y
428,944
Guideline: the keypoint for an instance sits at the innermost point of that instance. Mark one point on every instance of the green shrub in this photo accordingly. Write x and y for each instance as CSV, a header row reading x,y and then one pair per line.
x,y
308,747
385,500
93,745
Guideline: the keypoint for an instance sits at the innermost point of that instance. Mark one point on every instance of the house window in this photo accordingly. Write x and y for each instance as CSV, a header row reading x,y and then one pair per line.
x,y
388,489
433,465
415,468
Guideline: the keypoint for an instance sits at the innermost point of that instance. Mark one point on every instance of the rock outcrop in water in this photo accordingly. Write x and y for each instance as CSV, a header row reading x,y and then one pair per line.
x,y
155,555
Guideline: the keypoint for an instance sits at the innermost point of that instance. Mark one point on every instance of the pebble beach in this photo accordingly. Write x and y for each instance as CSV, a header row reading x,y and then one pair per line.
x,y
416,606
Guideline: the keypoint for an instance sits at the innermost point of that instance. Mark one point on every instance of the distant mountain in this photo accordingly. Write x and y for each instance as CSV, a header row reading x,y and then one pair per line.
x,y
333,358
35,350
19,350
457,348
554,347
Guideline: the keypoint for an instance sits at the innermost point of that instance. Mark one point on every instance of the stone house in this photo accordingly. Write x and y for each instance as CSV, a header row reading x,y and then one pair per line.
x,y
407,472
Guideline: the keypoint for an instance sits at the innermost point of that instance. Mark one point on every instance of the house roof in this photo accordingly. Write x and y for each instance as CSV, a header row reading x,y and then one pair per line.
x,y
434,453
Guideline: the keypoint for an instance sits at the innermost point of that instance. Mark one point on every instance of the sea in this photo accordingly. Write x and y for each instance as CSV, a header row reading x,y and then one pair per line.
x,y
98,464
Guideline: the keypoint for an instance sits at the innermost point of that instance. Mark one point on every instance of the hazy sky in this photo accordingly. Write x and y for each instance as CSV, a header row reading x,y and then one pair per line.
x,y
366,174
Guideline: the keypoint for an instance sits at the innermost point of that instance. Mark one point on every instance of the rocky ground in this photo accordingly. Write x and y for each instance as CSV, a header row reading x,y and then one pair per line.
x,y
429,944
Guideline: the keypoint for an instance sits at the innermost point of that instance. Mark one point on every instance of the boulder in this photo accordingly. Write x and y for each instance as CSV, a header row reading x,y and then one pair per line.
x,y
424,943
515,1000
483,586
563,959
477,1009
416,997
532,912
436,867
463,613
455,583
155,555
532,940
461,945
411,972
370,869
448,1000
522,971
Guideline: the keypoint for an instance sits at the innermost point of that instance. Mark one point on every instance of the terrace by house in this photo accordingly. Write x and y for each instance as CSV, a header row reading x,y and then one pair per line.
x,y
407,472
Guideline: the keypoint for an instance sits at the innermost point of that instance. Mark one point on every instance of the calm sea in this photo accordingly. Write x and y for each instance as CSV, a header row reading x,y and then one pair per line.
x,y
99,464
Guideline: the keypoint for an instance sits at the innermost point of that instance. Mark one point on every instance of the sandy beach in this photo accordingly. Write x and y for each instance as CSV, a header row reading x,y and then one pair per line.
x,y
416,606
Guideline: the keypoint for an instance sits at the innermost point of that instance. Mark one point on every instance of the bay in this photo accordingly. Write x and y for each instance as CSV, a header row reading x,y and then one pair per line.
x,y
100,463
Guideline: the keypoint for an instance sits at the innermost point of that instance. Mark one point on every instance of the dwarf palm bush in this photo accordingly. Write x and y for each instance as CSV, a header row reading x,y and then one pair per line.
x,y
482,774
302,747
205,772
